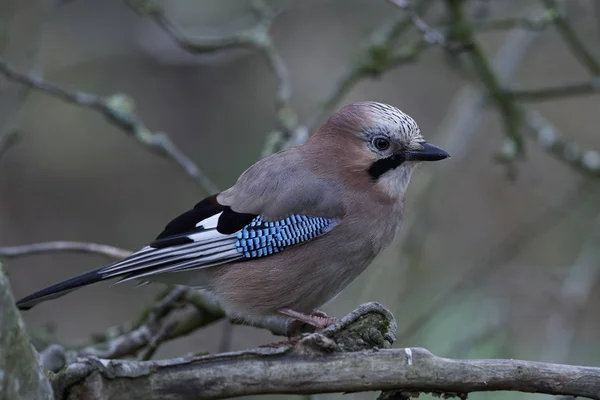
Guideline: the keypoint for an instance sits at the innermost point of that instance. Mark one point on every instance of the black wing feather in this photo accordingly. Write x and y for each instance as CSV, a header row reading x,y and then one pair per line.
x,y
186,222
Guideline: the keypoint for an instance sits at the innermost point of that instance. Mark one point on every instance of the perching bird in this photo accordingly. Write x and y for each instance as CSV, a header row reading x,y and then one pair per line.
x,y
295,229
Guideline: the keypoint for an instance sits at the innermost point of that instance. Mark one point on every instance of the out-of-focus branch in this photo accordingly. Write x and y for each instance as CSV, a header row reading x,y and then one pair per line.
x,y
462,31
21,375
256,38
456,133
557,92
575,292
564,27
535,23
430,35
120,110
157,326
501,254
9,138
153,329
544,134
379,54
515,115
10,132
63,246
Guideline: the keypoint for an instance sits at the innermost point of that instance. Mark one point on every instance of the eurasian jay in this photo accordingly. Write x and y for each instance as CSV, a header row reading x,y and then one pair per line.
x,y
295,229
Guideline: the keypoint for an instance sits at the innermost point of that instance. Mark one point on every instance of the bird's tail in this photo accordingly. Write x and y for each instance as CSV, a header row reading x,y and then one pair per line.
x,y
60,289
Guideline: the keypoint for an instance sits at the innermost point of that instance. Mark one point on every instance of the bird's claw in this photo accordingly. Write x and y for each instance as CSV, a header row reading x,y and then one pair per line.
x,y
318,319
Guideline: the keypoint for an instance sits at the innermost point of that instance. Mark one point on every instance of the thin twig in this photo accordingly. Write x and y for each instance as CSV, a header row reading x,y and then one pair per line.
x,y
534,23
256,38
430,35
8,139
63,246
573,296
557,92
378,55
500,254
463,32
564,27
120,110
568,151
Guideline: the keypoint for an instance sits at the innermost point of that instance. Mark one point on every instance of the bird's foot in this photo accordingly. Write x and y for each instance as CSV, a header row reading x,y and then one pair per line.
x,y
318,319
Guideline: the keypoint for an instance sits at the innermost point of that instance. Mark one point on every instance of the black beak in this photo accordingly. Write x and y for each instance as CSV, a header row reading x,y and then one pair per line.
x,y
429,153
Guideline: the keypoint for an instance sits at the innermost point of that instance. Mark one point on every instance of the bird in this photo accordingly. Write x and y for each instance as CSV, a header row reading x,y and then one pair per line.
x,y
295,229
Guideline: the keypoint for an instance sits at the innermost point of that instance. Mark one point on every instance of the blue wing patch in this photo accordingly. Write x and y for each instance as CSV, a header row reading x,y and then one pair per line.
x,y
260,238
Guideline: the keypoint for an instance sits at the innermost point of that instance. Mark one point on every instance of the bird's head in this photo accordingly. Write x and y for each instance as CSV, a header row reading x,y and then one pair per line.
x,y
383,142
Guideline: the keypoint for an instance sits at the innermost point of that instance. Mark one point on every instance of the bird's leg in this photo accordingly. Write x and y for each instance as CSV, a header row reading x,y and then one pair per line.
x,y
319,313
318,319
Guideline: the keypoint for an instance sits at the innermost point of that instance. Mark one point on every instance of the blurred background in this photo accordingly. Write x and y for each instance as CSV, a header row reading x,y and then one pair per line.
x,y
498,259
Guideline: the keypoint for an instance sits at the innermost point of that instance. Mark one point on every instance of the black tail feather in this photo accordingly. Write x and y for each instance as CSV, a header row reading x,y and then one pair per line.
x,y
60,289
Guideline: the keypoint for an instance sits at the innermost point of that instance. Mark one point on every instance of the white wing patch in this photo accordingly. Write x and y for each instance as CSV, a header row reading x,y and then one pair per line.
x,y
210,222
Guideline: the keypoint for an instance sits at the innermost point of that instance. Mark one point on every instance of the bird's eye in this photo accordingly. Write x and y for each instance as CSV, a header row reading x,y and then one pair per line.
x,y
381,143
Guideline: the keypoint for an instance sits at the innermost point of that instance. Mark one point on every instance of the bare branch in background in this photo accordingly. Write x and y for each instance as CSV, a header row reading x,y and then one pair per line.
x,y
8,139
256,38
538,22
10,132
462,31
575,292
157,325
558,92
154,328
380,54
545,135
566,30
120,110
501,254
457,134
430,35
63,246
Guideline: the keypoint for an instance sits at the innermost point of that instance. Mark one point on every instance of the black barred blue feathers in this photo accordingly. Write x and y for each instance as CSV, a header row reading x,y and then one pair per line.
x,y
260,238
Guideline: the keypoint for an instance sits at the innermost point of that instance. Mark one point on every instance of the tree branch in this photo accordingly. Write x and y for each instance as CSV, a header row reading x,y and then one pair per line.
x,y
577,47
379,54
9,138
534,23
63,246
557,92
157,326
120,110
548,138
355,353
255,38
462,31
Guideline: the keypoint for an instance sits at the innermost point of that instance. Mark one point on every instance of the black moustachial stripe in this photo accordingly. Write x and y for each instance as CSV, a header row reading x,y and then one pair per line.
x,y
384,165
